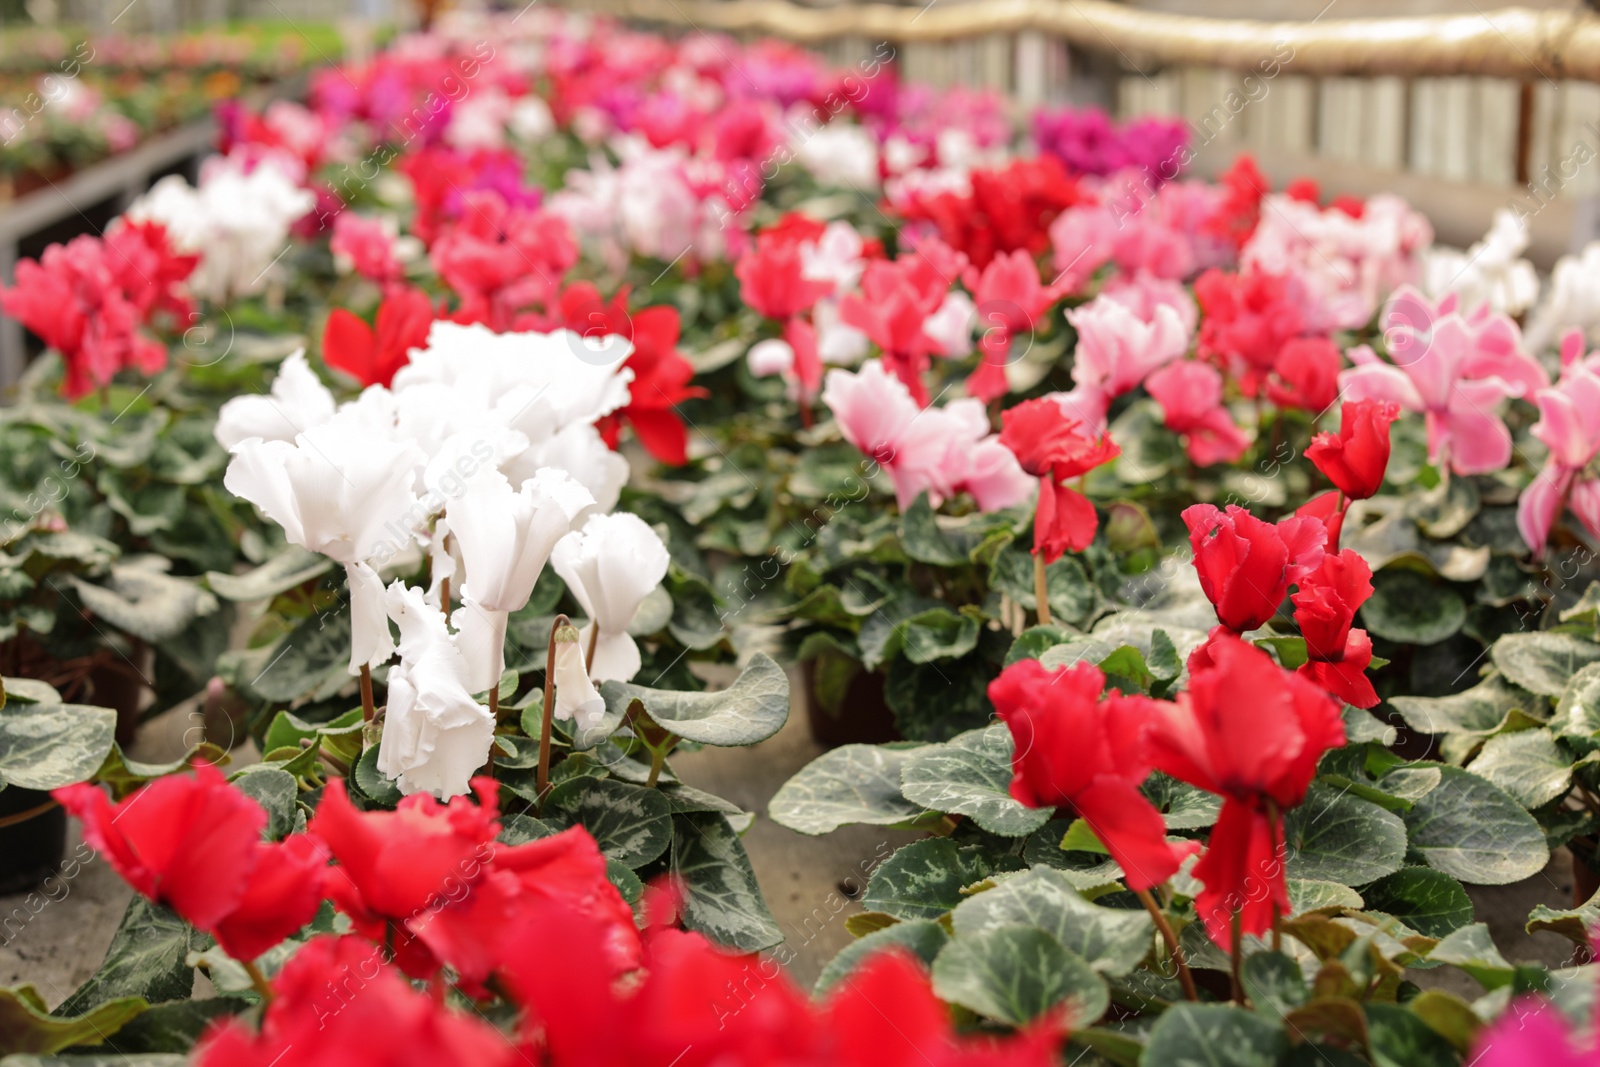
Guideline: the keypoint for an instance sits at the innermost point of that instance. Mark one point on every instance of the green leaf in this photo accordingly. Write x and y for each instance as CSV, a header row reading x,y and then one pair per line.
x,y
292,567
1481,709
143,601
1274,979
1306,895
1363,726
125,775
1578,711
1528,764
1574,924
1291,650
1035,641
1084,870
720,896
1474,831
27,691
1399,1038
312,660
173,1027
1080,837
1473,950
1072,595
752,709
971,775
277,792
372,782
147,959
632,824
46,746
1448,1016
26,1026
1430,902
922,538
1213,1035
1111,940
1338,837
851,784
1543,662
1409,608
921,938
936,634
1183,806
1125,669
1017,973
924,879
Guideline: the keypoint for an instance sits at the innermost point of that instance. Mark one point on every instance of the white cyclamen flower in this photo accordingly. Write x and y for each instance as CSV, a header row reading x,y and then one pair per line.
x,y
576,697
435,735
611,565
298,401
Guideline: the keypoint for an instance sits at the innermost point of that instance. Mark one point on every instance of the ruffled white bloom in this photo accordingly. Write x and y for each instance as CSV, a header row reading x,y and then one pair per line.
x,y
771,356
333,488
435,735
1571,300
837,341
1492,272
611,565
371,643
237,221
579,450
534,383
576,697
506,535
840,153
298,401
835,257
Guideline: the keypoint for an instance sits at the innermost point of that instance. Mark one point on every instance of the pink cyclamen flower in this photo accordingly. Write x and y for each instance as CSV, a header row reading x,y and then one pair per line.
x,y
1117,350
1569,425
940,451
1190,395
365,245
1533,1030
1010,298
1455,371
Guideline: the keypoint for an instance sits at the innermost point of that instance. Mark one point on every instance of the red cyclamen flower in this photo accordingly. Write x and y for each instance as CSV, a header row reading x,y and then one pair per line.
x,y
1052,447
371,355
194,844
1074,749
1355,458
1246,565
1252,733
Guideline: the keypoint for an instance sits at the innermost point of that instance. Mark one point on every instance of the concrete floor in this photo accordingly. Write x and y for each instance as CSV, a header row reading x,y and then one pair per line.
x,y
807,881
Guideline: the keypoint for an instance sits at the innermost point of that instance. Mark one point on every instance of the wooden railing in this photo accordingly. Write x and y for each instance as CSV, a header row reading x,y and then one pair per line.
x,y
1464,113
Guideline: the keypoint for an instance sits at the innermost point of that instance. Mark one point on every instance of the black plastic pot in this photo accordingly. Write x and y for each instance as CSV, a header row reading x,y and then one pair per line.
x,y
864,717
31,850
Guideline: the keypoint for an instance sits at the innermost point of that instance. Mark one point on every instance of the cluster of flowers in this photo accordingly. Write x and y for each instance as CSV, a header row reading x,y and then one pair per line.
x,y
430,894
485,455
91,299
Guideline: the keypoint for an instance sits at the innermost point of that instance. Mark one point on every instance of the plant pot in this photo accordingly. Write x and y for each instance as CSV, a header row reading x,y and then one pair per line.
x,y
117,688
863,716
31,850
1585,879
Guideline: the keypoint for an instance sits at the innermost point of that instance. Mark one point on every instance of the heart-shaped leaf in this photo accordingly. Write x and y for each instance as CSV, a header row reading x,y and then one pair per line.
x,y
752,709
1017,973
971,775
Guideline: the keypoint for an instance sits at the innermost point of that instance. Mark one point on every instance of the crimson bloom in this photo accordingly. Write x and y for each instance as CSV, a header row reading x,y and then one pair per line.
x,y
1010,299
1053,448
1355,458
1305,374
395,865
1325,607
772,277
661,375
1074,749
1009,208
337,1003
1252,733
1246,565
1246,320
194,844
1327,508
894,304
372,356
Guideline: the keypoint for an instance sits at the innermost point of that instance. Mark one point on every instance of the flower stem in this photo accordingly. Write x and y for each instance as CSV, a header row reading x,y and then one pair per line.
x,y
1184,977
367,708
658,759
24,816
1236,960
549,709
1041,589
594,641
258,980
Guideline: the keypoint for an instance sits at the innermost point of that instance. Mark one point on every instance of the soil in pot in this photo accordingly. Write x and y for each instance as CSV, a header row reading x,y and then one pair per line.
x,y
30,850
852,713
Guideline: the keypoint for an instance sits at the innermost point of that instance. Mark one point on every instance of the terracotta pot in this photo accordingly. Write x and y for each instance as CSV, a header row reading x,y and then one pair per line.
x,y
863,717
31,850
118,689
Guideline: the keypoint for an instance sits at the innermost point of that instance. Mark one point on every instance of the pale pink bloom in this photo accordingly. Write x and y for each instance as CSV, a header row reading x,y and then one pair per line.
x,y
939,451
1117,350
1437,378
1343,267
1569,425
1143,293
1190,395
951,326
